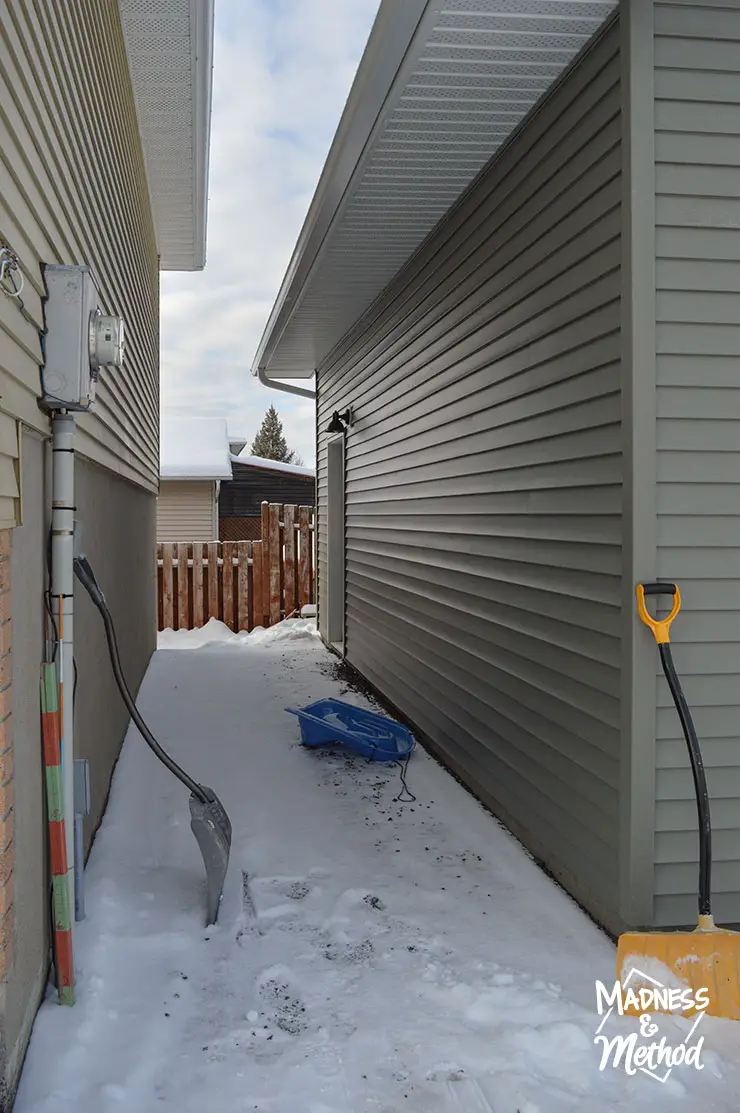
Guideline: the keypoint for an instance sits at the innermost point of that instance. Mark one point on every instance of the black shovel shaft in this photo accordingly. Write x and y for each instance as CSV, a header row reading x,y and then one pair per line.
x,y
700,783
87,578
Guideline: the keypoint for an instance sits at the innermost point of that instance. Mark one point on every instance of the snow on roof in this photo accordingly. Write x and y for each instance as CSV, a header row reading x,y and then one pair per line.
x,y
273,465
194,448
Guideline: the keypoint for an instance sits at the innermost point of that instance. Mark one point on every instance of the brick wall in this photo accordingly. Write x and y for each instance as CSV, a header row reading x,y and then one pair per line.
x,y
6,761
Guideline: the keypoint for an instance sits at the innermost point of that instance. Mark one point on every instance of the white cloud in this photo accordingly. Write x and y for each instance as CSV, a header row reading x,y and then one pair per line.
x,y
282,72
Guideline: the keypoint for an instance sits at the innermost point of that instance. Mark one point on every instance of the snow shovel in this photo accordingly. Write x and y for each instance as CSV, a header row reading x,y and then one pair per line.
x,y
208,819
708,957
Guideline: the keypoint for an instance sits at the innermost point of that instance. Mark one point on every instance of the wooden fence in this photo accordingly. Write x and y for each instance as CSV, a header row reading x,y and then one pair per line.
x,y
242,583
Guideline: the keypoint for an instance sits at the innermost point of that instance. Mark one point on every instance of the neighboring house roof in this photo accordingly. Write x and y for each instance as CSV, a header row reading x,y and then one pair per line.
x,y
237,445
170,53
272,465
439,89
194,448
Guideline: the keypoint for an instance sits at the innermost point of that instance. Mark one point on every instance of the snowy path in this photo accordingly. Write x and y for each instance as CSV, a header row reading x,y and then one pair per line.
x,y
370,956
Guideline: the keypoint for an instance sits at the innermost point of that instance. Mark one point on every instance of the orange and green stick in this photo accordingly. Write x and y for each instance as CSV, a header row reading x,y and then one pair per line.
x,y
57,839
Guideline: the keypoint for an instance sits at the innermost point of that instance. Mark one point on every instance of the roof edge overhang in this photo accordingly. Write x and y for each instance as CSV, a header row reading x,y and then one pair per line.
x,y
391,35
411,143
199,478
202,30
170,59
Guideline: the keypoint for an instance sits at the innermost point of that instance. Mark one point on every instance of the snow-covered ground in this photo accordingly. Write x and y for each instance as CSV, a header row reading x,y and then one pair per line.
x,y
371,956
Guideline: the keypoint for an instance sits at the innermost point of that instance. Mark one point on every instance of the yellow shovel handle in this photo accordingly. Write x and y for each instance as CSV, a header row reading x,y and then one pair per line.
x,y
660,628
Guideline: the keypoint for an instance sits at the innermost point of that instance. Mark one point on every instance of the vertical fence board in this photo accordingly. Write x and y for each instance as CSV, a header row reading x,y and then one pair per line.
x,y
197,584
289,560
183,615
304,521
258,618
275,549
160,593
265,621
167,588
227,550
213,580
244,556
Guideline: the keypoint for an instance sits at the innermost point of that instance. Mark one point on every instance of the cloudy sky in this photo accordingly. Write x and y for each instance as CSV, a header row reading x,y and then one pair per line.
x,y
282,72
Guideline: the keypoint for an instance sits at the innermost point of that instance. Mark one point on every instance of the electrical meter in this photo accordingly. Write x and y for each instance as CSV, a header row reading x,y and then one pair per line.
x,y
79,339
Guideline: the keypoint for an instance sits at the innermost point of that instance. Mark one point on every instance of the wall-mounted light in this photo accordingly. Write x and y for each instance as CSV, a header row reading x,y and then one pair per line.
x,y
340,422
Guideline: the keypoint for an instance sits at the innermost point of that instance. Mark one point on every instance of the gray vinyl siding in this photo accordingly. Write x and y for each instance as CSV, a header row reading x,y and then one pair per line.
x,y
697,143
483,483
73,189
187,511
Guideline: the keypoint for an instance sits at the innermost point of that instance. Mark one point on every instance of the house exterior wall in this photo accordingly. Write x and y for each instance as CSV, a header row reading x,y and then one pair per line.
x,y
117,532
696,112
484,484
73,190
187,510
243,495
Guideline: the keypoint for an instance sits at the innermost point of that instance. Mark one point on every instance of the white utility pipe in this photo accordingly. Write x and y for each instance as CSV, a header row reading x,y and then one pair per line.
x,y
62,589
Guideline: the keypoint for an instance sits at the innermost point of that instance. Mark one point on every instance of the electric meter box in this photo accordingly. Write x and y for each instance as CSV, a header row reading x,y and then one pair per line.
x,y
79,340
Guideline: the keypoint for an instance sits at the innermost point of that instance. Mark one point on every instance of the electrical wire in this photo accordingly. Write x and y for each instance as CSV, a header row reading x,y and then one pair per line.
x,y
48,601
409,798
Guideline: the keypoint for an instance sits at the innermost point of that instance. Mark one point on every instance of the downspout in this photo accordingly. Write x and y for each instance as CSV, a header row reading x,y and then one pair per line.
x,y
301,391
62,590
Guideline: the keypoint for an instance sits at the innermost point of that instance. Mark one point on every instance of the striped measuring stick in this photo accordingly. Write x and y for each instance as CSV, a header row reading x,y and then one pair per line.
x,y
57,840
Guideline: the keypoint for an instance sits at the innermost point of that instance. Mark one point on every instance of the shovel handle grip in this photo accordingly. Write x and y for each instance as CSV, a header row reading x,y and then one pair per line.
x,y
659,627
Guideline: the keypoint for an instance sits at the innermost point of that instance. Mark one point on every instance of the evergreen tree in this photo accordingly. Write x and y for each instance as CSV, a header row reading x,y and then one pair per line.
x,y
270,442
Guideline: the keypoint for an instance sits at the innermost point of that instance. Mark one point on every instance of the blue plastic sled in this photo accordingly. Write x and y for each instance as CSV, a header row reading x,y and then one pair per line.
x,y
374,736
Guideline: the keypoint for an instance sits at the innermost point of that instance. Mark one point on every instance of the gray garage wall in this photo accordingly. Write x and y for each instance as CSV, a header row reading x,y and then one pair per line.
x,y
697,175
483,484
118,534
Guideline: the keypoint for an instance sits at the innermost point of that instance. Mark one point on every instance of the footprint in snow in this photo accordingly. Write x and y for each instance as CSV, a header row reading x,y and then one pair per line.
x,y
284,1004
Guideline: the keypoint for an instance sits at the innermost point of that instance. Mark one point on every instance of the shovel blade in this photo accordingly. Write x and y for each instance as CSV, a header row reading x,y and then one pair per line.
x,y
708,960
212,828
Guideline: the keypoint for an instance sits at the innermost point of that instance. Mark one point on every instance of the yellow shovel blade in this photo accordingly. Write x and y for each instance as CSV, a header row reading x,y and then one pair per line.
x,y
707,958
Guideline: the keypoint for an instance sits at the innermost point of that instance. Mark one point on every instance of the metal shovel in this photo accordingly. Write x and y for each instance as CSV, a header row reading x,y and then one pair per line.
x,y
208,819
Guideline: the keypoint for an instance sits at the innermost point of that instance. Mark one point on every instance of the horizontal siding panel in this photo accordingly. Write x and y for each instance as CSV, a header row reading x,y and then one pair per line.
x,y
717,752
186,511
703,86
711,720
679,816
697,117
677,117
688,149
698,499
681,911
695,53
691,21
691,180
689,531
681,879
723,783
75,191
682,847
483,501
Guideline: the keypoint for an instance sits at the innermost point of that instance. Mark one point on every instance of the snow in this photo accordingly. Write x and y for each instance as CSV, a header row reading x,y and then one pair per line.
x,y
194,448
371,956
273,465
